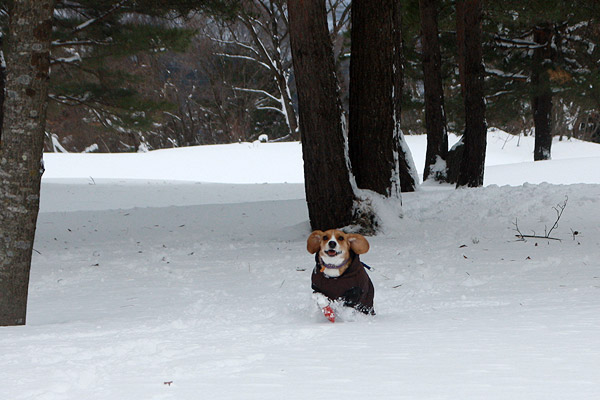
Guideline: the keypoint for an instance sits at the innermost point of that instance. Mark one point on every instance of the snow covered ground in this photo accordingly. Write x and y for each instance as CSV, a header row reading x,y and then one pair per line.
x,y
182,274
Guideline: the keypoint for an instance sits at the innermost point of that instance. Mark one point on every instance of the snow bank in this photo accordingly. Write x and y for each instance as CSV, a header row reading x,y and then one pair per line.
x,y
282,162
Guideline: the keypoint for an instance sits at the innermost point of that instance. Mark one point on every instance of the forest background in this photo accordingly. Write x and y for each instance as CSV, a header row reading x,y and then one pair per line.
x,y
130,76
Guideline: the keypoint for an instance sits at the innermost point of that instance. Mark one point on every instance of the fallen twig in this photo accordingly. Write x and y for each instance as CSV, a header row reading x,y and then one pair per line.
x,y
559,209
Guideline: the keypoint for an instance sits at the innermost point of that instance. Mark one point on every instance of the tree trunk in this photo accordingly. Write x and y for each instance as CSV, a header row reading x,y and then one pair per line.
x,y
435,118
409,176
473,161
21,167
372,137
460,43
541,102
2,84
329,194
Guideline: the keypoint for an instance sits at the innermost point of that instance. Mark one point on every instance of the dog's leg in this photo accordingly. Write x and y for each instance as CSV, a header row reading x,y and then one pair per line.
x,y
324,305
320,299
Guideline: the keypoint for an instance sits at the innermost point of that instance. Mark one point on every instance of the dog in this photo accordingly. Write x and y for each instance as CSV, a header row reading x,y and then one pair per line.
x,y
339,275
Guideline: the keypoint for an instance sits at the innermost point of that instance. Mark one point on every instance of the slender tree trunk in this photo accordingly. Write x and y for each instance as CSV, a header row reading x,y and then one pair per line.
x,y
373,146
435,118
542,97
409,177
21,168
473,161
329,194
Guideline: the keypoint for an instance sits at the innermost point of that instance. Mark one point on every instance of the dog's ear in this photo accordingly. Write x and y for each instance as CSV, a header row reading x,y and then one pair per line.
x,y
358,243
313,244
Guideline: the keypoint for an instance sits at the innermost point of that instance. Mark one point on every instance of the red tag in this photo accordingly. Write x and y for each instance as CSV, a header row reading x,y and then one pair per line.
x,y
329,314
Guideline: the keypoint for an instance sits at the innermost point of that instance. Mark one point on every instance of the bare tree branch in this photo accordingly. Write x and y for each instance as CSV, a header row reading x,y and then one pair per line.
x,y
559,209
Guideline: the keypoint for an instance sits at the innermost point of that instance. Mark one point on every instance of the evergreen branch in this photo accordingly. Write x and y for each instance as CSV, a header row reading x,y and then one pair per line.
x,y
89,42
503,74
498,94
66,60
517,43
68,100
92,21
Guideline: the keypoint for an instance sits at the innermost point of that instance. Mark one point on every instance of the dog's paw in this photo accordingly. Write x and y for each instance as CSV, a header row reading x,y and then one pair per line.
x,y
321,300
328,313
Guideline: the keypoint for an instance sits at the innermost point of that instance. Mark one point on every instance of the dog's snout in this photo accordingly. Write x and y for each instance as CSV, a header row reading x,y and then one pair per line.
x,y
332,244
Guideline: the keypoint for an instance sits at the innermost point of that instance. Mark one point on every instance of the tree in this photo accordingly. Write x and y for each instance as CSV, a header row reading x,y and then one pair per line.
x,y
264,41
375,138
96,83
203,85
372,137
541,102
435,116
473,159
92,55
21,168
542,66
329,194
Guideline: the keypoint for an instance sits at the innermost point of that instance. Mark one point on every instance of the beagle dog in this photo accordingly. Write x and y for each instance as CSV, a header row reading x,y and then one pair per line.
x,y
339,274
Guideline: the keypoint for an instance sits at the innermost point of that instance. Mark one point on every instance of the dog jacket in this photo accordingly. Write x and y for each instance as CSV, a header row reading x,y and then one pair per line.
x,y
354,287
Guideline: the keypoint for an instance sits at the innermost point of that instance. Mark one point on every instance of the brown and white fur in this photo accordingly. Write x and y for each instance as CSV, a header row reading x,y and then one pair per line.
x,y
335,249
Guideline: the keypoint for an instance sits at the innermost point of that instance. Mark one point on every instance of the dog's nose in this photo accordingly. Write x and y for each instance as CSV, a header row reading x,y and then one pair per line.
x,y
332,244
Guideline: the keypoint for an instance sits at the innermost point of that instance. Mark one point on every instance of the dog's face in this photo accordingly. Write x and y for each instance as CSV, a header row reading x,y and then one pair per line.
x,y
334,247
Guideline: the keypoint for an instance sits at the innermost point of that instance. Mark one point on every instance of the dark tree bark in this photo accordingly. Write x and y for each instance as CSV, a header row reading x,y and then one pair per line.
x,y
373,138
460,43
435,118
473,161
541,102
329,194
2,83
409,177
21,168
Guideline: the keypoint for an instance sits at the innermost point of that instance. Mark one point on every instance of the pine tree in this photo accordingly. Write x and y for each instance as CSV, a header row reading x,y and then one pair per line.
x,y
541,53
473,158
435,116
374,137
92,43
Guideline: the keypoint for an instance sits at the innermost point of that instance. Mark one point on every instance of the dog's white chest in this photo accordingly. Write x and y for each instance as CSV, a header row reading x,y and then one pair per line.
x,y
331,272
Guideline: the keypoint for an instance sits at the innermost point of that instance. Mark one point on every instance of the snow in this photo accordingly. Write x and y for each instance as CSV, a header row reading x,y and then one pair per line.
x,y
183,274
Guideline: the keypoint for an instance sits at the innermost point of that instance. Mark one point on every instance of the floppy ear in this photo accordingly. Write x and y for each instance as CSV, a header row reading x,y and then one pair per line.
x,y
313,244
358,243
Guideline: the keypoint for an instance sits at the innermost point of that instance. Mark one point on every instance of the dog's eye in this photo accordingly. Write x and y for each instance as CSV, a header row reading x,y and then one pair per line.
x,y
340,238
325,238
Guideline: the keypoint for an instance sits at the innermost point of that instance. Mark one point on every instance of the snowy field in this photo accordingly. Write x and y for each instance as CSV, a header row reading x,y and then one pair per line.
x,y
182,274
